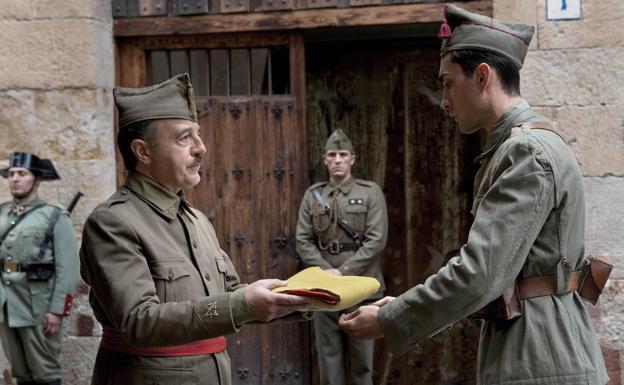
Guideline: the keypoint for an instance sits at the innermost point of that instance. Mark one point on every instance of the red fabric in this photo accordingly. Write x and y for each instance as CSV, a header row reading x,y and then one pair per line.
x,y
319,295
445,30
112,340
69,300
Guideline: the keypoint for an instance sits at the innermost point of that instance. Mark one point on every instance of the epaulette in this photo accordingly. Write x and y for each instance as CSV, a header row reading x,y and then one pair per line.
x,y
120,196
366,183
63,211
317,185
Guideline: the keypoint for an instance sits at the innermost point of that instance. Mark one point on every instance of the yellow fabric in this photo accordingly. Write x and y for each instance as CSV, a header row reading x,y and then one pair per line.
x,y
350,290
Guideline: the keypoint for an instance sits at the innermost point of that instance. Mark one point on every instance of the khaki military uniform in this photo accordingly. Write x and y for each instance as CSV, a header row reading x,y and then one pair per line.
x,y
362,205
528,215
159,278
24,302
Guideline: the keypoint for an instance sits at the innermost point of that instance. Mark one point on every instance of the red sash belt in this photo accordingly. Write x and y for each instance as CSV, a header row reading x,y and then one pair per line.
x,y
111,340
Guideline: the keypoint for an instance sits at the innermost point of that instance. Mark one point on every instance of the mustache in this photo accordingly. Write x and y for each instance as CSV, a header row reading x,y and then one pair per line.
x,y
197,161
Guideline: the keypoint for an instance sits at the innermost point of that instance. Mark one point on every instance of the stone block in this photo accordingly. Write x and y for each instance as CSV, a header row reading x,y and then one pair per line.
x,y
604,209
574,77
15,10
77,359
47,54
60,9
601,26
68,124
595,134
611,329
518,12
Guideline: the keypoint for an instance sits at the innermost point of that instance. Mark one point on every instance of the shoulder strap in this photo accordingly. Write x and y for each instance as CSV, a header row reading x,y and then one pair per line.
x,y
49,232
543,125
16,222
343,225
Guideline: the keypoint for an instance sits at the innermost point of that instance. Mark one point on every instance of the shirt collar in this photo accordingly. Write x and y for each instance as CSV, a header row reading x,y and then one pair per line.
x,y
516,114
157,196
344,187
21,209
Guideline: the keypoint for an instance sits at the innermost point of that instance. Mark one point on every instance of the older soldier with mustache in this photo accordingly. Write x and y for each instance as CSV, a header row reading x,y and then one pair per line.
x,y
162,288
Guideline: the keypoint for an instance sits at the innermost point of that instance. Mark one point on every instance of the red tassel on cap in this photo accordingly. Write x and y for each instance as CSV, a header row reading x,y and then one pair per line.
x,y
445,30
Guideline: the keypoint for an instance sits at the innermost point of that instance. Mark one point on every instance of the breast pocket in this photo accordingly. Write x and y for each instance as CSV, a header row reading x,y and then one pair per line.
x,y
173,282
356,217
27,245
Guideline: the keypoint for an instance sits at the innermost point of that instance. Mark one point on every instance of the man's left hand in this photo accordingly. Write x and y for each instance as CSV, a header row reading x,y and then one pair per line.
x,y
51,323
362,323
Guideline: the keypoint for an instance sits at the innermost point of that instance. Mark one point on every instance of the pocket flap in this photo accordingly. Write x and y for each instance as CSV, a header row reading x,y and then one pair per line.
x,y
356,209
221,264
600,271
169,272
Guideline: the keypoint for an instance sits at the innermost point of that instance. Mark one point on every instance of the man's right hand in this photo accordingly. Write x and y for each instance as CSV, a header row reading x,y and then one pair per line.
x,y
266,305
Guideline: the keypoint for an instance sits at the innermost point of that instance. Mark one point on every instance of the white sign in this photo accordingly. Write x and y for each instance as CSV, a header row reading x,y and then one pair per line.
x,y
563,9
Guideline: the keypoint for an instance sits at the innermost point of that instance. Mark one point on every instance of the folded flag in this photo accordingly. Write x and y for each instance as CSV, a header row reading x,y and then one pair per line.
x,y
329,292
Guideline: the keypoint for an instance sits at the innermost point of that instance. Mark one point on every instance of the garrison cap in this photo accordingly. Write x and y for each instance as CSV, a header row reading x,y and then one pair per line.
x,y
171,99
40,167
338,140
461,29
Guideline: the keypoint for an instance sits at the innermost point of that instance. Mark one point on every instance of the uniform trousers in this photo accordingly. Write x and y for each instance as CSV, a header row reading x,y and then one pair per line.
x,y
115,368
343,360
33,355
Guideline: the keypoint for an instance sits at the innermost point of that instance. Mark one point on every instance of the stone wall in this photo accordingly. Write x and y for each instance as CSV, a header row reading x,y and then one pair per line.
x,y
574,74
55,100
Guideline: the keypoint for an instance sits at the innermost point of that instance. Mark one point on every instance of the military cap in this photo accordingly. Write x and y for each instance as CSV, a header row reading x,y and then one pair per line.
x,y
171,99
338,140
40,167
461,29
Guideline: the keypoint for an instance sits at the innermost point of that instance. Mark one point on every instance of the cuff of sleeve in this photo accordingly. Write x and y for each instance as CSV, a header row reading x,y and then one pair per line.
x,y
215,314
394,320
61,305
240,309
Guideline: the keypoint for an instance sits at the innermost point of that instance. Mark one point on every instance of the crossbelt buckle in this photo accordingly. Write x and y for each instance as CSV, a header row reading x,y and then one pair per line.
x,y
334,247
9,265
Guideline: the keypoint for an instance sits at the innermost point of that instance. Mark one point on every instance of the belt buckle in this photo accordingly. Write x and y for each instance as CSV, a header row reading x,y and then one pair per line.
x,y
9,266
334,247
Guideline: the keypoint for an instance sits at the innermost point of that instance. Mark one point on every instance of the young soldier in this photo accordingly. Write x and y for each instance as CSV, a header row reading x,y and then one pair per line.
x,y
39,259
162,288
528,224
353,248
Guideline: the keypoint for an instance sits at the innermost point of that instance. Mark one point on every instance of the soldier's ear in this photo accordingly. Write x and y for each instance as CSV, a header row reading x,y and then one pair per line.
x,y
141,150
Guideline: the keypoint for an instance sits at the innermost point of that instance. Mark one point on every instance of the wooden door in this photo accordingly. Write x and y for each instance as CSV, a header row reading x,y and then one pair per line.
x,y
254,170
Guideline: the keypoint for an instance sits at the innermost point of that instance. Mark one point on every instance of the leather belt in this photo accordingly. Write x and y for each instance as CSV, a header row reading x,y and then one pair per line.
x,y
112,340
337,247
10,266
545,285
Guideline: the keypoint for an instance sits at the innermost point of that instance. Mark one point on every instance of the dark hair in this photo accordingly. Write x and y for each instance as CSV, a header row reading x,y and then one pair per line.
x,y
509,74
144,130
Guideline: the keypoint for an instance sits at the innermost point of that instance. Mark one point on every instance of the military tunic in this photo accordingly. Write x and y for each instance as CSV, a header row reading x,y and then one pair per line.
x,y
24,303
362,205
159,277
528,215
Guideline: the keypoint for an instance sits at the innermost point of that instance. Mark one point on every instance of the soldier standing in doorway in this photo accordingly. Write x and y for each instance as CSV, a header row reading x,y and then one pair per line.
x,y
526,245
39,259
343,228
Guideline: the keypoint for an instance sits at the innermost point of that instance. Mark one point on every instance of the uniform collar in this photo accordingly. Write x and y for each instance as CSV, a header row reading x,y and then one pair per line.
x,y
21,209
344,187
162,200
516,114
